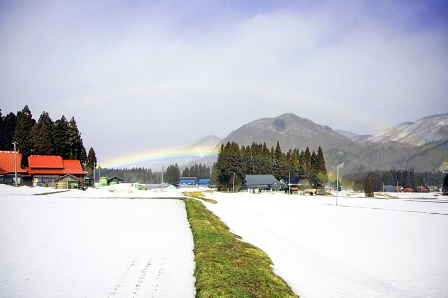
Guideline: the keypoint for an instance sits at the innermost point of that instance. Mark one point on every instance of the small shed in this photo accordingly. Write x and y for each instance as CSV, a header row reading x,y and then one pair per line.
x,y
114,180
69,182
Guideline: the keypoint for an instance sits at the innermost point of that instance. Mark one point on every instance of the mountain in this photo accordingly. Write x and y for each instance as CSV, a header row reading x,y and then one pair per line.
x,y
203,151
290,130
400,147
205,146
427,130
353,136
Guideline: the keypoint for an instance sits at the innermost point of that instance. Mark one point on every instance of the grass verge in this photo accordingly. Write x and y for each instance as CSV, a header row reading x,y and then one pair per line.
x,y
227,266
198,195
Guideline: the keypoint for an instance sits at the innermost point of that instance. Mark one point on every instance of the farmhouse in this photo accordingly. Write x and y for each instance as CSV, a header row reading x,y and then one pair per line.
x,y
262,183
8,167
45,169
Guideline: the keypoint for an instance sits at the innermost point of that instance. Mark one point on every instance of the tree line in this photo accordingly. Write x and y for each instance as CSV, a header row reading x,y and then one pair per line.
x,y
404,178
44,137
235,162
143,175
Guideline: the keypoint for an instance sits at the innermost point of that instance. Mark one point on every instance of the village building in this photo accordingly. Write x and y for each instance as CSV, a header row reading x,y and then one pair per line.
x,y
10,162
43,170
262,183
69,182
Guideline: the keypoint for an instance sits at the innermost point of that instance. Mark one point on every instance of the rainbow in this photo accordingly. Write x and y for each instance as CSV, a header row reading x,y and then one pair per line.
x,y
151,158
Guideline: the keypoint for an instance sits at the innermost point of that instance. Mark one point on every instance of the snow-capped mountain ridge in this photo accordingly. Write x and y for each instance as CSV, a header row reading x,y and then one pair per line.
x,y
424,131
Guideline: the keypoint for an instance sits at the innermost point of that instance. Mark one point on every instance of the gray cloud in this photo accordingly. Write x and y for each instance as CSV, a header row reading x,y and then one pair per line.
x,y
140,77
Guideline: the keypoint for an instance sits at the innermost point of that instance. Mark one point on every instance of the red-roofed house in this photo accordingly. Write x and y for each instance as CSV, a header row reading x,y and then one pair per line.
x,y
8,167
44,169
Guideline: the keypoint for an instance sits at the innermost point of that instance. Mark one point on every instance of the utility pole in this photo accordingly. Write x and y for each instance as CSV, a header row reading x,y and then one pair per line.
x,y
94,168
337,184
289,183
233,182
15,163
162,180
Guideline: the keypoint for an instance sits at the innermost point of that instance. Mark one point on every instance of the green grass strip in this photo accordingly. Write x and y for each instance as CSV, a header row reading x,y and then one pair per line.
x,y
227,266
198,195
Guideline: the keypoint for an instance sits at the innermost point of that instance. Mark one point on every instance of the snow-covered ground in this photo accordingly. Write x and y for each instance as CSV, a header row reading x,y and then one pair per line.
x,y
360,248
109,243
75,244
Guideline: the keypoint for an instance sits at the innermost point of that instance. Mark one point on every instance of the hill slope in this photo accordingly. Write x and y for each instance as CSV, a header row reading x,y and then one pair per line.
x,y
290,130
424,131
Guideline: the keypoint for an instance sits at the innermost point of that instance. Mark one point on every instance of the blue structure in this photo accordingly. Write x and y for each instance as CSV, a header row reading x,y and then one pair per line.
x,y
188,180
203,182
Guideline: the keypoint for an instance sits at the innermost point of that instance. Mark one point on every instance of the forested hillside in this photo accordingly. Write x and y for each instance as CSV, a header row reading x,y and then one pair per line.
x,y
235,162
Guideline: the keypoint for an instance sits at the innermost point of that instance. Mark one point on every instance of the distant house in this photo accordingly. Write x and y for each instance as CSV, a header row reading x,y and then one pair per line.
x,y
390,188
422,188
444,167
262,183
298,185
8,167
398,188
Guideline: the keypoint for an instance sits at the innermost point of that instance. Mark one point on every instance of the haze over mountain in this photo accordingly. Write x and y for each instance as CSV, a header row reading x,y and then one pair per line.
x,y
422,145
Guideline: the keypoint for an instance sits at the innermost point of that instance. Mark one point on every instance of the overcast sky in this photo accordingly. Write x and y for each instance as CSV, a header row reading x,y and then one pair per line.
x,y
157,75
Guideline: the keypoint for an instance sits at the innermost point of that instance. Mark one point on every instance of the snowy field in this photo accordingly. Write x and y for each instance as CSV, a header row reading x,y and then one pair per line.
x,y
58,246
109,243
360,248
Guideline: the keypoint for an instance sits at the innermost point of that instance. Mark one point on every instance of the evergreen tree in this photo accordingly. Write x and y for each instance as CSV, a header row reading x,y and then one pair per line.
x,y
60,138
76,147
279,169
43,140
172,174
368,189
307,161
91,161
22,134
186,172
322,173
7,131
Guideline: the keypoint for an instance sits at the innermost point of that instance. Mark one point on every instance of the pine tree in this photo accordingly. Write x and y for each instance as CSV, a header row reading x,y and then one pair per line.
x,y
321,167
43,140
76,147
91,160
60,138
22,134
368,189
186,172
172,174
7,130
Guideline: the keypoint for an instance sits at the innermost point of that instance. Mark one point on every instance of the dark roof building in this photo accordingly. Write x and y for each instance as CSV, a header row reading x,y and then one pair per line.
x,y
262,182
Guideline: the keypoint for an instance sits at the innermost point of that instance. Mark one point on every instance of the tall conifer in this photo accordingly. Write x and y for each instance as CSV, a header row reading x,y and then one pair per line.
x,y
22,134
